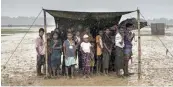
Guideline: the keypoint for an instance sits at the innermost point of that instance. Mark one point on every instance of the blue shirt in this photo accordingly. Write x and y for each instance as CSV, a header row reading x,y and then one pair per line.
x,y
70,48
127,42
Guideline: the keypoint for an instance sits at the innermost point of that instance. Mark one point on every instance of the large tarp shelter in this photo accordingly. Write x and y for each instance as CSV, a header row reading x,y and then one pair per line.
x,y
68,19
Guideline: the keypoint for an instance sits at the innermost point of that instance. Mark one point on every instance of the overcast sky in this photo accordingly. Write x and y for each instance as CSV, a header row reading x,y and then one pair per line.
x,y
149,8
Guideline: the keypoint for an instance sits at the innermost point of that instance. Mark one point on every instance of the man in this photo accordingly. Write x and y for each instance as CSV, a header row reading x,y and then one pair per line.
x,y
128,37
119,56
40,51
99,43
107,48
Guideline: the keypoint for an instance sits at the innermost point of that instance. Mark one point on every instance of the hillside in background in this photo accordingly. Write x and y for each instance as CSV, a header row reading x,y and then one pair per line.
x,y
5,20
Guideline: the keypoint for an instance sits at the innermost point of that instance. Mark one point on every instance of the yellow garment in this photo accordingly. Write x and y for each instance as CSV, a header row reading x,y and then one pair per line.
x,y
92,62
99,51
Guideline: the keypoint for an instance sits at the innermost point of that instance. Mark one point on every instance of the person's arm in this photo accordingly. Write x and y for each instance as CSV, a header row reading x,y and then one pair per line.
x,y
58,48
75,49
37,45
64,49
37,51
75,39
106,47
120,39
92,52
132,37
81,48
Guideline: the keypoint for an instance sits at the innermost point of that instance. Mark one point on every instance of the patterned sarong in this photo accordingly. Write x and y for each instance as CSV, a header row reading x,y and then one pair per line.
x,y
86,62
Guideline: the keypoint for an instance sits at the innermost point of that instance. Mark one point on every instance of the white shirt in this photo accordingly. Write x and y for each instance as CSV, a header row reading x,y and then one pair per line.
x,y
40,45
86,47
118,39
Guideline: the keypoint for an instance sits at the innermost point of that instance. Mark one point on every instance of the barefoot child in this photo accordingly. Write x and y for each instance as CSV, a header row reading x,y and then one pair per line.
x,y
56,54
86,55
69,53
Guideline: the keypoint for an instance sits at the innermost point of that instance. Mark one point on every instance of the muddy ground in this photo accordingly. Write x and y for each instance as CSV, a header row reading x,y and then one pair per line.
x,y
157,67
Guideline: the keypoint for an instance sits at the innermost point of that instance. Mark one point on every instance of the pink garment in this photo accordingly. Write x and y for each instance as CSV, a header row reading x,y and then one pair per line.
x,y
40,44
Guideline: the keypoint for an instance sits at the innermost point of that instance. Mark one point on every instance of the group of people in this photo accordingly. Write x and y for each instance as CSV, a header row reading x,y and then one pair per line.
x,y
93,54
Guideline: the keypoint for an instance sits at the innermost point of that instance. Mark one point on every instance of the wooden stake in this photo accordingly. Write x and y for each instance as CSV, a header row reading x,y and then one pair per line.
x,y
46,53
139,45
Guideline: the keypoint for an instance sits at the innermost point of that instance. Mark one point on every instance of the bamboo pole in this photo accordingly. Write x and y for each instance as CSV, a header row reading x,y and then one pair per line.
x,y
139,45
46,53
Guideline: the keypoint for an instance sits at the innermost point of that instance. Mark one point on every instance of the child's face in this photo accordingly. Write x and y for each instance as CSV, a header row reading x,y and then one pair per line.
x,y
55,36
69,36
69,30
86,39
78,33
41,33
107,31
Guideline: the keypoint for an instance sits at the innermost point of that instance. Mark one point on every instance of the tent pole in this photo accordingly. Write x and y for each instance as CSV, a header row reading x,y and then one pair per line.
x,y
139,45
46,53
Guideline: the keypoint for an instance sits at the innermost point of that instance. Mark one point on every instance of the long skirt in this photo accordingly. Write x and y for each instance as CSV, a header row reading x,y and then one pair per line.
x,y
119,58
86,62
106,58
56,59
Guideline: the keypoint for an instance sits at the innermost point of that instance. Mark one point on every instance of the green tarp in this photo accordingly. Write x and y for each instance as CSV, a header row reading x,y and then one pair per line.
x,y
91,19
85,15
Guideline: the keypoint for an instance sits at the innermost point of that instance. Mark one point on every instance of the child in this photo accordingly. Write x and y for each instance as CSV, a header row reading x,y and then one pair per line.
x,y
56,54
99,51
69,53
86,55
107,48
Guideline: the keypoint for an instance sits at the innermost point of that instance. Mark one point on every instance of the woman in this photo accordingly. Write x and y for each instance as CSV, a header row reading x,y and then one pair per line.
x,y
86,55
56,54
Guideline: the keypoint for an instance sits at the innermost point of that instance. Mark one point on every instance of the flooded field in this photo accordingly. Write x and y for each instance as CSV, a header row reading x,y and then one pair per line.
x,y
157,67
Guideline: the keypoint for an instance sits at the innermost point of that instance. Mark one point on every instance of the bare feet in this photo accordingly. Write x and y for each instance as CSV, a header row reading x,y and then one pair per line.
x,y
67,77
72,77
84,76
